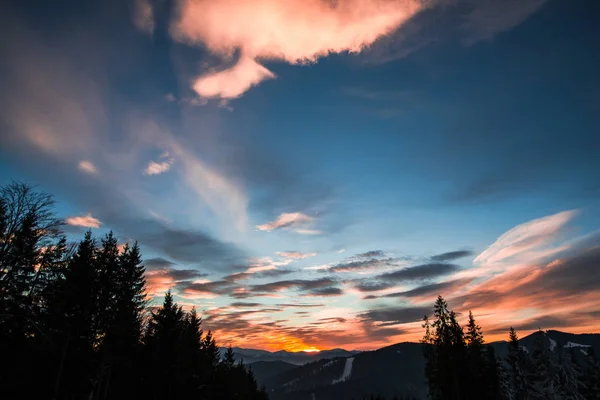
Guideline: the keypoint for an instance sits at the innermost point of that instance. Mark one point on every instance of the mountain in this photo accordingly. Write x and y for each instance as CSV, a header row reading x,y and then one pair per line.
x,y
396,370
265,370
251,356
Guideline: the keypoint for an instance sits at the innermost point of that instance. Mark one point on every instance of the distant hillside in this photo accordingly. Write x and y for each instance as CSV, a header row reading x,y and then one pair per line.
x,y
390,371
297,358
265,370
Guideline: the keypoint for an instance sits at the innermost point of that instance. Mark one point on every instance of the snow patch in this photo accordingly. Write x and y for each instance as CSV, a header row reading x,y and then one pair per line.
x,y
552,344
571,344
347,371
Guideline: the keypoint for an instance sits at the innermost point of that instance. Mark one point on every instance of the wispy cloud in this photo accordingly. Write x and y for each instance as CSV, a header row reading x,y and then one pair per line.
x,y
87,166
86,221
159,167
524,238
295,255
143,16
488,18
296,221
294,31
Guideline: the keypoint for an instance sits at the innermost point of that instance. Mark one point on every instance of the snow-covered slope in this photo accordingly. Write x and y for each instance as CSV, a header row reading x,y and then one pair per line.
x,y
347,371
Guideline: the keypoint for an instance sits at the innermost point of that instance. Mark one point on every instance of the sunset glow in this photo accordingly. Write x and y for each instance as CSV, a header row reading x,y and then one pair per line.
x,y
312,174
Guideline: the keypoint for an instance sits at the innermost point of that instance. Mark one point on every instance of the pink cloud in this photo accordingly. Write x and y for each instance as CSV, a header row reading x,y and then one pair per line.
x,y
286,220
295,255
87,166
524,238
86,221
233,82
294,31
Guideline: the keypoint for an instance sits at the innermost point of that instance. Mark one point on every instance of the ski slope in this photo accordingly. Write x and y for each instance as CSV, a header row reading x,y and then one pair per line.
x,y
347,371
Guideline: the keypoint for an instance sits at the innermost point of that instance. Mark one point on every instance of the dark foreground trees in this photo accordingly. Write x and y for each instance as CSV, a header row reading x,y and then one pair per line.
x,y
460,366
75,324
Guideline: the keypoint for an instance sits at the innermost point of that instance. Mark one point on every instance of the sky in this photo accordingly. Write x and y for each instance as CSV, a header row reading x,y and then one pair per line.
x,y
312,174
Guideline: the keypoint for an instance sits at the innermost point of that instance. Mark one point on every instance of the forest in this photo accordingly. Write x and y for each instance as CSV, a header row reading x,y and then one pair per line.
x,y
460,366
75,322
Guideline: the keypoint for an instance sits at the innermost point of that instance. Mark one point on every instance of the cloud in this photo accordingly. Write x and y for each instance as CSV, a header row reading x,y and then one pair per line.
x,y
86,221
396,314
434,289
371,254
299,284
187,245
362,266
242,304
233,82
452,255
143,16
87,166
328,291
295,255
294,31
288,221
419,272
157,263
487,18
299,305
524,238
161,276
223,195
157,168
370,286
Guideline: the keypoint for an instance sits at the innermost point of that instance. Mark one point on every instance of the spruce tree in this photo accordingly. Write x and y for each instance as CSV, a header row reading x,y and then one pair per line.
x,y
591,376
70,315
476,362
519,363
569,375
545,379
165,332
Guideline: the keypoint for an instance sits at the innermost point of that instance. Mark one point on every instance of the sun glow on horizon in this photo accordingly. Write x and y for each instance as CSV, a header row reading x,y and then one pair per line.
x,y
311,350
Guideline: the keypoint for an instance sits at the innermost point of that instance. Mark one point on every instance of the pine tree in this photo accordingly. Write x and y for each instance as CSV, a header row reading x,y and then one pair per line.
x,y
121,345
476,362
70,315
569,375
107,264
591,376
211,351
545,378
445,370
229,358
191,355
519,363
163,339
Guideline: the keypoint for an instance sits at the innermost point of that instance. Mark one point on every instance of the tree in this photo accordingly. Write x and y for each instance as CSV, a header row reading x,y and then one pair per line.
x,y
519,363
591,376
229,359
29,234
477,363
545,378
165,330
70,314
569,375
445,367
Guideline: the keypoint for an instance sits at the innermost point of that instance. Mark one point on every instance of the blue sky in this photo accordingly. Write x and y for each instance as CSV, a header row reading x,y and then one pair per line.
x,y
283,142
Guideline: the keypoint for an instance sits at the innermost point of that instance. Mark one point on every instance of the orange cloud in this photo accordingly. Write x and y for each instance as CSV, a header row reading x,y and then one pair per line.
x,y
294,31
86,221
